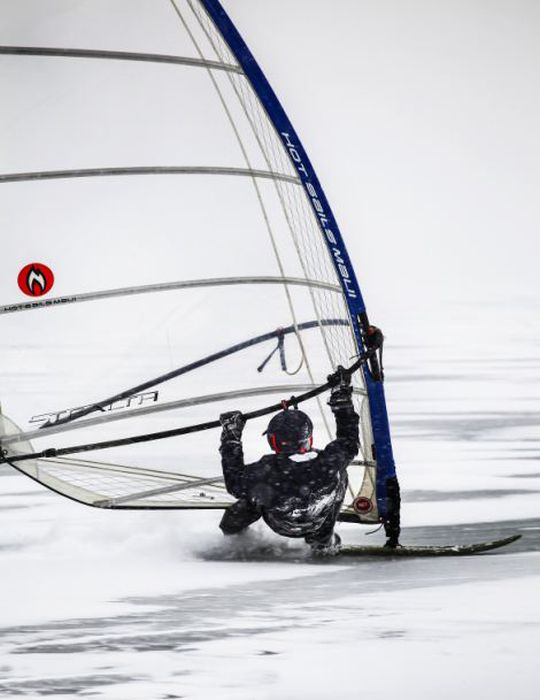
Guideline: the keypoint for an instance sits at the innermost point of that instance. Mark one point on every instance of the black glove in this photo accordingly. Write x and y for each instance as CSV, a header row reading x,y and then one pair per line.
x,y
233,424
341,392
374,338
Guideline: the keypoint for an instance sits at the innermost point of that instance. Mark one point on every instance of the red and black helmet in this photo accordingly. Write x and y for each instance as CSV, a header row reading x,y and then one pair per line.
x,y
290,432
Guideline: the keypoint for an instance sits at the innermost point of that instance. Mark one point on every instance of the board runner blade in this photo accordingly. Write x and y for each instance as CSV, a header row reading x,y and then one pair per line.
x,y
426,550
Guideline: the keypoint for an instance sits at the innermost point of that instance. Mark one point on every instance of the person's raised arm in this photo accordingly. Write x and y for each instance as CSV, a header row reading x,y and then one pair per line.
x,y
232,454
341,451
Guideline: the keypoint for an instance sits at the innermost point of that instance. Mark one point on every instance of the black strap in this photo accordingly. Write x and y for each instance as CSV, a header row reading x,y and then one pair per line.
x,y
281,347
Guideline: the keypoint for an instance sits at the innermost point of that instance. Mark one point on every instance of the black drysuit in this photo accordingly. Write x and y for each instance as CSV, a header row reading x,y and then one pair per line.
x,y
298,495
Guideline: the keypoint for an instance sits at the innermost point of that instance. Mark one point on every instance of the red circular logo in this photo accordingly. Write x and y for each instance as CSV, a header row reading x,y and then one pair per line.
x,y
362,505
35,279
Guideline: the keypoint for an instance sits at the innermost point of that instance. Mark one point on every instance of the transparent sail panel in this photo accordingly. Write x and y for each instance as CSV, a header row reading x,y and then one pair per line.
x,y
141,168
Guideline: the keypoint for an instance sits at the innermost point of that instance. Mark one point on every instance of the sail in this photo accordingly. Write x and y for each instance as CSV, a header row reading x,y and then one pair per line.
x,y
171,255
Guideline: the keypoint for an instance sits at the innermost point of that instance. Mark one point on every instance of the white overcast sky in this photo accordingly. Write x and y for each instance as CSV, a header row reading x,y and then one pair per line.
x,y
422,118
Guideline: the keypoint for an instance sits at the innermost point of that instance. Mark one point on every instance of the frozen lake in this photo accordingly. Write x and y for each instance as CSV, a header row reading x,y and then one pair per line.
x,y
139,605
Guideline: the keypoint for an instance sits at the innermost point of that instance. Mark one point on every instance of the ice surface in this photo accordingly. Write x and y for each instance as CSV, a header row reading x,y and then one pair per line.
x,y
138,605
435,196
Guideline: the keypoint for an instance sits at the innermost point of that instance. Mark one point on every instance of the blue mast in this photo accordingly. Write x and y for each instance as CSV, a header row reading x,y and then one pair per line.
x,y
382,449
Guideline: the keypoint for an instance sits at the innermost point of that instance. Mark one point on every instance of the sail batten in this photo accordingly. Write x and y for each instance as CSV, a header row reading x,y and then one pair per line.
x,y
126,414
146,170
165,287
116,56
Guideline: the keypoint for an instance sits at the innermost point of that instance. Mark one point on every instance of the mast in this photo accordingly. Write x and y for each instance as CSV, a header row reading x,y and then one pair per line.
x,y
382,448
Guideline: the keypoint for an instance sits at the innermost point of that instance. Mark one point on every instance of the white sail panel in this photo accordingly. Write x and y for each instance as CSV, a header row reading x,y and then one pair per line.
x,y
129,173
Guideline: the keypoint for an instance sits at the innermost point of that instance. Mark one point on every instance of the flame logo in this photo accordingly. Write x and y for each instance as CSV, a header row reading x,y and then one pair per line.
x,y
35,279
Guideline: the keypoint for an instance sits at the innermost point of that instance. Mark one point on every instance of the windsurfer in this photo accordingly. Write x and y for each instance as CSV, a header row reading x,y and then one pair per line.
x,y
298,491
